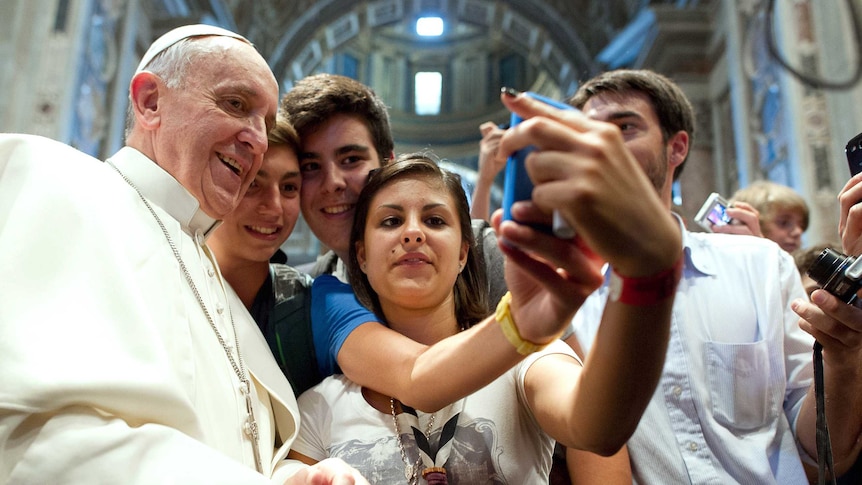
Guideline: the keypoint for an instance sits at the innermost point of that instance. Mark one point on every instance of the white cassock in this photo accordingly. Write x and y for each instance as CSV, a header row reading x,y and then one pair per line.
x,y
109,369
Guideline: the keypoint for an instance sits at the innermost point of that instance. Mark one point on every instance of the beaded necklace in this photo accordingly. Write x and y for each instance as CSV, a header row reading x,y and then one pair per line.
x,y
411,471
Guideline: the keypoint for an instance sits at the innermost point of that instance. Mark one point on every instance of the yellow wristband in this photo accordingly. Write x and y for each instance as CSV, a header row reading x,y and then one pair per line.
x,y
507,325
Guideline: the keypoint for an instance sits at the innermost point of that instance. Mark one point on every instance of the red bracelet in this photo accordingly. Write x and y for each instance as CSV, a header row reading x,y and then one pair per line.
x,y
645,290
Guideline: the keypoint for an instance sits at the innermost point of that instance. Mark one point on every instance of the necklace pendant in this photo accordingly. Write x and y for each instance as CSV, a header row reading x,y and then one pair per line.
x,y
435,476
250,430
250,426
255,448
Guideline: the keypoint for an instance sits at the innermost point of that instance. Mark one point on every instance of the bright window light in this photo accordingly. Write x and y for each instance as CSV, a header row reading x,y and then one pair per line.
x,y
429,26
428,89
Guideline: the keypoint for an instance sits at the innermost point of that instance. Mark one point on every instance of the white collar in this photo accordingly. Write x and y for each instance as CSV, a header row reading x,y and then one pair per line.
x,y
164,191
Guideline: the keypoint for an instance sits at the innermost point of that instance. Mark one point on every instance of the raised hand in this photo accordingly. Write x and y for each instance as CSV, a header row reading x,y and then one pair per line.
x,y
549,277
745,219
584,169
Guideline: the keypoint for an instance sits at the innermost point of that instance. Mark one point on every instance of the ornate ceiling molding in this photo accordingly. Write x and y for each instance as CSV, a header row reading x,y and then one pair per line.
x,y
537,28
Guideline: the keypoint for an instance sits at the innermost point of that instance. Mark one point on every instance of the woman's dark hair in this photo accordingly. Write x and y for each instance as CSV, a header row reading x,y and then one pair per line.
x,y
471,299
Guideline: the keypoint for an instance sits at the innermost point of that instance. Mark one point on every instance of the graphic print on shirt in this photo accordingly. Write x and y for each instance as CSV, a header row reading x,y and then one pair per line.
x,y
471,460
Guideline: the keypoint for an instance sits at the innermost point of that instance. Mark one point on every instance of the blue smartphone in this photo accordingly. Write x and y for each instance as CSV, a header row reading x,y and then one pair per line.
x,y
517,184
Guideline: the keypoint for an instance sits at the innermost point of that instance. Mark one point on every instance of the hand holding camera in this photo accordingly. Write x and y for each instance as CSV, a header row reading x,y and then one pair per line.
x,y
717,215
836,326
838,274
836,323
713,213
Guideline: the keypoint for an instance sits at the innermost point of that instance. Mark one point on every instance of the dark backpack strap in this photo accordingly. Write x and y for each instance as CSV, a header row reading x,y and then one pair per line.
x,y
291,339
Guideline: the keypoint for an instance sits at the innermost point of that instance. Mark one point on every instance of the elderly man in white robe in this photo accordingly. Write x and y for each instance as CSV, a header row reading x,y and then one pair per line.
x,y
124,357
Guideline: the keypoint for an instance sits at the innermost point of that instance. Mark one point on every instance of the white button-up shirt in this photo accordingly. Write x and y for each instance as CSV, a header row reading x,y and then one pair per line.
x,y
736,372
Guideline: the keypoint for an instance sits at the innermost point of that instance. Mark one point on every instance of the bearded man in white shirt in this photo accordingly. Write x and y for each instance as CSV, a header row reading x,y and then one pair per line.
x,y
735,402
124,357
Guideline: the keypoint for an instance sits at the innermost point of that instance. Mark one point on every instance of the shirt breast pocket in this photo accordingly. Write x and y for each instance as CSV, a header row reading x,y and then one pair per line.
x,y
744,396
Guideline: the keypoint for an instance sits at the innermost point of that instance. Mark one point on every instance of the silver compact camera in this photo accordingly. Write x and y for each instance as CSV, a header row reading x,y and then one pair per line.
x,y
713,212
838,274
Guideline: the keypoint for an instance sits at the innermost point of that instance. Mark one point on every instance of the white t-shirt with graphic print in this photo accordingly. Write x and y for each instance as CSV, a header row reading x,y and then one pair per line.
x,y
497,439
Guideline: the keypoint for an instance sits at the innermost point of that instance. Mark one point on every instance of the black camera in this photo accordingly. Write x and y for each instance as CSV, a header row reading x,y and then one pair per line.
x,y
838,274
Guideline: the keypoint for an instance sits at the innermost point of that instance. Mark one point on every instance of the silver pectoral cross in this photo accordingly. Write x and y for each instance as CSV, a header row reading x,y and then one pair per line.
x,y
250,426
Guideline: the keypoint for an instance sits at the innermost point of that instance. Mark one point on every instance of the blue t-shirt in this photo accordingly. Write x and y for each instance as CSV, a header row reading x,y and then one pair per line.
x,y
335,312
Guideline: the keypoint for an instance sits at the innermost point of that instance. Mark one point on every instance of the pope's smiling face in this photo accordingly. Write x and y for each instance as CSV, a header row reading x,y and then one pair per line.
x,y
212,129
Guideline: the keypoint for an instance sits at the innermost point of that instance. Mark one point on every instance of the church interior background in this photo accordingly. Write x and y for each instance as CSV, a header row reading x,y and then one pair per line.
x,y
775,83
